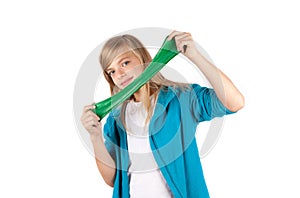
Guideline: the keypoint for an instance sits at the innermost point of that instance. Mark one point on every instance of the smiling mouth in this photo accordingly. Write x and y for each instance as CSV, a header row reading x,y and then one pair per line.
x,y
126,82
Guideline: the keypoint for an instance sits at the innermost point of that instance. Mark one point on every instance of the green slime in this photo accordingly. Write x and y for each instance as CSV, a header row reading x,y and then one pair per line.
x,y
167,51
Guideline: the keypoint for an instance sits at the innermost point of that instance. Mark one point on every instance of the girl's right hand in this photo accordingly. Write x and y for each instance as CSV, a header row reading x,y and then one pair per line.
x,y
91,121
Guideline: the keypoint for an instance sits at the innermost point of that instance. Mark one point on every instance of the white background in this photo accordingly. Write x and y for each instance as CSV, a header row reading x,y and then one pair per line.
x,y
43,44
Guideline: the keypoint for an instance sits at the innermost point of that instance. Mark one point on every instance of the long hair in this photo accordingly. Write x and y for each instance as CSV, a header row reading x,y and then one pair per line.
x,y
119,45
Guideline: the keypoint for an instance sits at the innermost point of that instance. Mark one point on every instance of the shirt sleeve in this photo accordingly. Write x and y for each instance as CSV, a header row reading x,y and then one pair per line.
x,y
205,104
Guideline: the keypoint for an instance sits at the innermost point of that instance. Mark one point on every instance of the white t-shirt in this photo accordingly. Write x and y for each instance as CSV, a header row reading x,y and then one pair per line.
x,y
145,178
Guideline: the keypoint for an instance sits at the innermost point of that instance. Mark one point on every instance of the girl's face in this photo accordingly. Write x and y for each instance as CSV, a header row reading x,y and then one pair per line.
x,y
124,69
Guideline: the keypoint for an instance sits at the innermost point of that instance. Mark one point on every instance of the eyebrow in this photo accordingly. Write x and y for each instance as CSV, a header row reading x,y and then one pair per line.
x,y
119,61
123,59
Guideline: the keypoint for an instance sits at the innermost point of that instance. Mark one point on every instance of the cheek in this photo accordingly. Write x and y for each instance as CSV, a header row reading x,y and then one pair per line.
x,y
139,69
114,81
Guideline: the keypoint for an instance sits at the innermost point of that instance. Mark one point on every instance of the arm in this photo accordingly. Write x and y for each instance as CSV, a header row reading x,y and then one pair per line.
x,y
226,91
105,163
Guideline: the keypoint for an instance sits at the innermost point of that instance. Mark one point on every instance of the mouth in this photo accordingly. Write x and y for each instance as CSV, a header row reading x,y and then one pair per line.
x,y
126,82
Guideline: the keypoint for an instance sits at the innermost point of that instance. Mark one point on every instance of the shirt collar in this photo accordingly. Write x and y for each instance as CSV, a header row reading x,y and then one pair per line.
x,y
166,94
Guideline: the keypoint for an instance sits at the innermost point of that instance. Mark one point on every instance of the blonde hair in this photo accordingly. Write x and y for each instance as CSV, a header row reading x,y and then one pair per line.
x,y
119,45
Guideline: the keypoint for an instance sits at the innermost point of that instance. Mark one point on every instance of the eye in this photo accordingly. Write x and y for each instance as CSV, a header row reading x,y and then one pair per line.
x,y
110,73
125,63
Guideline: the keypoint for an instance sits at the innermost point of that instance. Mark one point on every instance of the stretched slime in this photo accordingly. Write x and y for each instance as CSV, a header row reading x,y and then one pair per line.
x,y
167,51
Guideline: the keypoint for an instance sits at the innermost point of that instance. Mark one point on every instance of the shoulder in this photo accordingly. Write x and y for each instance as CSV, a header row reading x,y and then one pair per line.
x,y
185,89
179,88
181,92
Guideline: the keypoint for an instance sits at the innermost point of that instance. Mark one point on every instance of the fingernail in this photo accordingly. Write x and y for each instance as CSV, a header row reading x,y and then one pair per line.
x,y
184,48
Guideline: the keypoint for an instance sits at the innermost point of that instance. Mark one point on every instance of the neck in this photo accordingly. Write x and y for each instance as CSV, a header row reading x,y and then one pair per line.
x,y
137,96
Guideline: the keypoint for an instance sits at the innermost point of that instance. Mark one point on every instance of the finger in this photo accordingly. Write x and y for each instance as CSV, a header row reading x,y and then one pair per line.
x,y
92,123
184,48
89,115
174,34
88,112
183,42
182,45
183,36
89,107
89,119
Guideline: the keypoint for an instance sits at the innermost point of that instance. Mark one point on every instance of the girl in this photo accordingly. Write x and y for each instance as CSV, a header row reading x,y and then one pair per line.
x,y
150,148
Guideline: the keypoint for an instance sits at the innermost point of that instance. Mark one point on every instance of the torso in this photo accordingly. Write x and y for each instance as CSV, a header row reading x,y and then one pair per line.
x,y
145,178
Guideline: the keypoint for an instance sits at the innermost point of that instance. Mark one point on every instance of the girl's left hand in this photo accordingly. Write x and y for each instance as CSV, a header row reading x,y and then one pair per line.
x,y
185,44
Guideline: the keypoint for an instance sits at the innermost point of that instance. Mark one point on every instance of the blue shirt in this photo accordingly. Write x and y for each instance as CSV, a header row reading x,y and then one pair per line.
x,y
172,139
